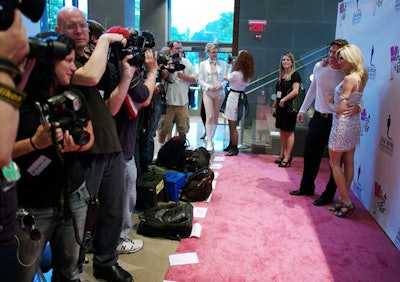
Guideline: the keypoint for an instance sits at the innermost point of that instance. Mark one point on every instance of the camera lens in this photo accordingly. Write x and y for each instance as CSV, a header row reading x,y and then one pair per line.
x,y
79,135
28,220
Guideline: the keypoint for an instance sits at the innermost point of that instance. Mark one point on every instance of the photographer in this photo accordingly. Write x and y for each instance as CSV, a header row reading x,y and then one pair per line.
x,y
12,52
139,96
148,116
177,88
104,163
52,192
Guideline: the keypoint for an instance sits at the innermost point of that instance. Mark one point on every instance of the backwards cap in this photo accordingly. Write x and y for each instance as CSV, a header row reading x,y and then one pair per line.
x,y
120,30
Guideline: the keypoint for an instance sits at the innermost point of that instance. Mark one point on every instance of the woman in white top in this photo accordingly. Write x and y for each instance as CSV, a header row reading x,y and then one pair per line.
x,y
239,78
211,79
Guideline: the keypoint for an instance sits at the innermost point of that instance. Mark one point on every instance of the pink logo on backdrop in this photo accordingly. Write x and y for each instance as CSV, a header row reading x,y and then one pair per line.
x,y
380,199
394,61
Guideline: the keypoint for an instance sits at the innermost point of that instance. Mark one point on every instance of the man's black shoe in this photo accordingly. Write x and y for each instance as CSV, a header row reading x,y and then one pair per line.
x,y
113,273
301,193
321,202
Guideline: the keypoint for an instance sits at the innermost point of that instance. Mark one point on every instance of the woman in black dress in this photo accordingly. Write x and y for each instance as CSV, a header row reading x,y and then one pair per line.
x,y
287,88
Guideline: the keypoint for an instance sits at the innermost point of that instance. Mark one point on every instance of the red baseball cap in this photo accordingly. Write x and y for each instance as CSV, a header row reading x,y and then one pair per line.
x,y
120,30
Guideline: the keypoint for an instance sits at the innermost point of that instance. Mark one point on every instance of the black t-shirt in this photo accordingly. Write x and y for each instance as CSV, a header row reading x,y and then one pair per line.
x,y
43,174
106,138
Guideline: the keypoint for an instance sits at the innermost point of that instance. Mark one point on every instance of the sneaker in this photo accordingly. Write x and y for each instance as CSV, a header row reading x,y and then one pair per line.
x,y
128,245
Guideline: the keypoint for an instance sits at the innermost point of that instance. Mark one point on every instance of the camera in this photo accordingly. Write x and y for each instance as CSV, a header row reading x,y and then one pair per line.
x,y
134,46
47,47
171,63
64,109
33,9
231,59
27,223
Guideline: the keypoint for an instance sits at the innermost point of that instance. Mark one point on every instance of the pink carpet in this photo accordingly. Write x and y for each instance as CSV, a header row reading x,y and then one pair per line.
x,y
255,231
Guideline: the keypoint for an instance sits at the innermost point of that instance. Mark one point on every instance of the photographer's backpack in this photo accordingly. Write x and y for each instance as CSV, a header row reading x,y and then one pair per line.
x,y
170,155
198,185
196,159
172,221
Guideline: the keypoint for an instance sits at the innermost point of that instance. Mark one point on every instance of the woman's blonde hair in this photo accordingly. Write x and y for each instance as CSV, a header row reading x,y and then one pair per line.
x,y
292,68
352,54
210,46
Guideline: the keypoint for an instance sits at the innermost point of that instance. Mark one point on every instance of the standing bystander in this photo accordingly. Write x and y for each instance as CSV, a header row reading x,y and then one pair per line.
x,y
105,163
211,79
241,73
177,88
287,88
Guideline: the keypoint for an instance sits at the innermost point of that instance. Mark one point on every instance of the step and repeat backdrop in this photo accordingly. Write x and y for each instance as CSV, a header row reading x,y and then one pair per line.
x,y
374,26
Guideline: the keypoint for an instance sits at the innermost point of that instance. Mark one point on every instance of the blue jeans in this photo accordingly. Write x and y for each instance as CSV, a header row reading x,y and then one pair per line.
x,y
8,246
130,196
105,178
61,235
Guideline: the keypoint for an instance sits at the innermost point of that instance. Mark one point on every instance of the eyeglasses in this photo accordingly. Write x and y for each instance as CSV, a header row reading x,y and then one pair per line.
x,y
76,26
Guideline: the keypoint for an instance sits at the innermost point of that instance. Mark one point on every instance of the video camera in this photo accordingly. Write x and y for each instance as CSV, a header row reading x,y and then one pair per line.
x,y
33,9
47,47
171,63
63,108
135,46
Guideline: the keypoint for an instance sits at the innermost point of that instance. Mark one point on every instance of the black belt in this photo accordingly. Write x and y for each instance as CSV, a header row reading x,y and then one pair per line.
x,y
324,115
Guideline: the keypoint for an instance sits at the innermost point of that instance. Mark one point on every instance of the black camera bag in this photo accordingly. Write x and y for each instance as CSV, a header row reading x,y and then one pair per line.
x,y
172,221
196,159
199,186
150,188
170,155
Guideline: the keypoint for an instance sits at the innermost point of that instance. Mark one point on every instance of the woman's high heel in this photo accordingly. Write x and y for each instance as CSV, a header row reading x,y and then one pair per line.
x,y
287,163
227,148
336,206
278,160
345,210
232,152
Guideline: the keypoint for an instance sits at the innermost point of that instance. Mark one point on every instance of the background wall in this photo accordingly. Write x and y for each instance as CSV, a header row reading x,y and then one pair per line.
x,y
376,179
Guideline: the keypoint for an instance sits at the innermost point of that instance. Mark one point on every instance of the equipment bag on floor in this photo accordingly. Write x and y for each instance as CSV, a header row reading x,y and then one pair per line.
x,y
170,155
199,186
196,159
150,188
172,221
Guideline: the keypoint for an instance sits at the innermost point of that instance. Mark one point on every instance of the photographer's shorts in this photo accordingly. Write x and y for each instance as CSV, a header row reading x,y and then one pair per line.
x,y
177,114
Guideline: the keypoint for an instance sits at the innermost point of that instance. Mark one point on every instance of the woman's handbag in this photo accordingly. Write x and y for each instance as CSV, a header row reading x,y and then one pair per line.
x,y
294,104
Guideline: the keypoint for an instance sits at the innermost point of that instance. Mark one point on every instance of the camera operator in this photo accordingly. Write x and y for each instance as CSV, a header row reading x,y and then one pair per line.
x,y
104,165
140,94
148,117
13,49
177,88
52,190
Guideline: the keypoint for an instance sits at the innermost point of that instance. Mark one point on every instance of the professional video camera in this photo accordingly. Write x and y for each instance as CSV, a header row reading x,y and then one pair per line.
x,y
47,47
64,109
171,63
33,9
134,46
